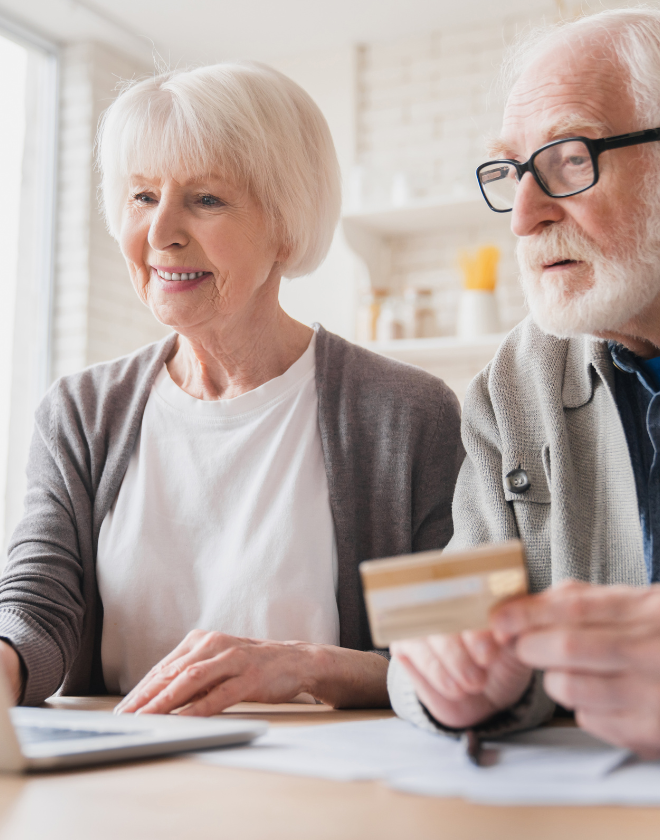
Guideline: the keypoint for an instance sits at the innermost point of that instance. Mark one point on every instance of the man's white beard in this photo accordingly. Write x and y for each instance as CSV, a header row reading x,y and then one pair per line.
x,y
609,292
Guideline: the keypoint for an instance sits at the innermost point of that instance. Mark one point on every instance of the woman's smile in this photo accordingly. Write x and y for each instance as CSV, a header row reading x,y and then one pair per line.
x,y
178,278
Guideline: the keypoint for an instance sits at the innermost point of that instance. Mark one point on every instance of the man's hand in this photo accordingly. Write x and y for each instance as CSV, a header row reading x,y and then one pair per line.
x,y
600,649
11,665
464,678
208,672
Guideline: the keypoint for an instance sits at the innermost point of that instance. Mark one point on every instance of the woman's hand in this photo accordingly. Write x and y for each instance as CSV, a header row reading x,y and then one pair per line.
x,y
208,672
10,663
463,678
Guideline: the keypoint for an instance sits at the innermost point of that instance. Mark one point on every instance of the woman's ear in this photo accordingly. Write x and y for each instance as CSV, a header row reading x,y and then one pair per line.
x,y
283,255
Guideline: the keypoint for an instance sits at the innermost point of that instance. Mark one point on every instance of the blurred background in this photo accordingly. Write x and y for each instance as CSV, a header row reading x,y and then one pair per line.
x,y
420,269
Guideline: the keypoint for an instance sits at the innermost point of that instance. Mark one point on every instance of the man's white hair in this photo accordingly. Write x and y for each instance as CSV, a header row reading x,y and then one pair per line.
x,y
635,36
243,120
623,282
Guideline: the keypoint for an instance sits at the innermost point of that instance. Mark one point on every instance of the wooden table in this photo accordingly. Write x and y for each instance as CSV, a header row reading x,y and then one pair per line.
x,y
182,799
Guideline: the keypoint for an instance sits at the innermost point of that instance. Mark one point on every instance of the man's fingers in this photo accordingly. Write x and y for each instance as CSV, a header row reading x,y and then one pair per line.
x,y
634,730
426,666
458,662
574,603
461,712
481,646
603,693
596,649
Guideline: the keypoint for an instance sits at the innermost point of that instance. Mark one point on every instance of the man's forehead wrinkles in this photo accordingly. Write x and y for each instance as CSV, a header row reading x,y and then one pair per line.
x,y
536,107
575,92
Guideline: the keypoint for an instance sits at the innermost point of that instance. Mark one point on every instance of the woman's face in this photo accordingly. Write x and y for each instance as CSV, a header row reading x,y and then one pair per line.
x,y
210,230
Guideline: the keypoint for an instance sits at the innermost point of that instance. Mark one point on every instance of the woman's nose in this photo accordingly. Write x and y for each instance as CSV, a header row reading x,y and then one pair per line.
x,y
532,207
167,228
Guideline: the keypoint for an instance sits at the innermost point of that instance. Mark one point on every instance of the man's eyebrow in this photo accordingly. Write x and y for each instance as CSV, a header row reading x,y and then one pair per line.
x,y
570,125
497,148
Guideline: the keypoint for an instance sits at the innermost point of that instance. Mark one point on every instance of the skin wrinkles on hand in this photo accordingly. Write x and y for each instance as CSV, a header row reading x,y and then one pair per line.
x,y
599,645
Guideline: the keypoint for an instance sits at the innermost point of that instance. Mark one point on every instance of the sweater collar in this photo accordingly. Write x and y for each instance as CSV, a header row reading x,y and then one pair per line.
x,y
585,356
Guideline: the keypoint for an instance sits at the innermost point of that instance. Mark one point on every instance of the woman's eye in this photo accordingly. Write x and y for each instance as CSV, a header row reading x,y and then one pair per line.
x,y
209,201
142,198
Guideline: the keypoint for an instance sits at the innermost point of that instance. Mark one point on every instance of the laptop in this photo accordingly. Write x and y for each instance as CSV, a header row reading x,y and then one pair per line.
x,y
49,739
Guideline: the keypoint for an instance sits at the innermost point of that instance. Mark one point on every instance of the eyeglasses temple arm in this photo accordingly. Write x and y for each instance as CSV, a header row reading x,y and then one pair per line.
x,y
632,139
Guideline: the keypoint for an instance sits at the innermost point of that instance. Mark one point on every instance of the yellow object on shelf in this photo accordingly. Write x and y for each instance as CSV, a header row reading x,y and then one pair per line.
x,y
480,270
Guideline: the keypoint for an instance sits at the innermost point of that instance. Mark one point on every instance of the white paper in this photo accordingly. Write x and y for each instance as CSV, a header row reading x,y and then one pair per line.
x,y
634,784
554,765
342,751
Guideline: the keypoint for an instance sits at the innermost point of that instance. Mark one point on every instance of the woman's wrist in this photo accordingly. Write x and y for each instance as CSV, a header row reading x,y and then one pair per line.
x,y
12,666
342,677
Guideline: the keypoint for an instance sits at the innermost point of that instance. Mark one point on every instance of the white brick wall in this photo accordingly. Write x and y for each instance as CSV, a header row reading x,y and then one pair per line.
x,y
423,109
96,316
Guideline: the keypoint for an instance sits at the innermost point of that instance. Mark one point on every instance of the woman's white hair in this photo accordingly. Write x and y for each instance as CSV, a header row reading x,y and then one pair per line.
x,y
635,36
244,120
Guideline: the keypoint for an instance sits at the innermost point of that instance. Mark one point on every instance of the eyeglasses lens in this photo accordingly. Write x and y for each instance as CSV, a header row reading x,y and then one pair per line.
x,y
498,181
565,168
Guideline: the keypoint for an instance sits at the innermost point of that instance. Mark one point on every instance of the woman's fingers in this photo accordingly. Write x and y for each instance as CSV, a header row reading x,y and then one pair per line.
x,y
183,648
233,690
197,646
270,672
195,679
153,685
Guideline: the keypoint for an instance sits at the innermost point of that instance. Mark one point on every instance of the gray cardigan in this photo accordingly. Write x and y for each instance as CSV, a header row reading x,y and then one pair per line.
x,y
391,442
546,405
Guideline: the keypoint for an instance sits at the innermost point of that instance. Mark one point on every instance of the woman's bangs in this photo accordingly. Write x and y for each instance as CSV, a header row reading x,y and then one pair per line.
x,y
160,140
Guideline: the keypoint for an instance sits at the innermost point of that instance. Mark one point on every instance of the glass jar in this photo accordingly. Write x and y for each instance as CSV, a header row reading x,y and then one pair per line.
x,y
368,314
420,315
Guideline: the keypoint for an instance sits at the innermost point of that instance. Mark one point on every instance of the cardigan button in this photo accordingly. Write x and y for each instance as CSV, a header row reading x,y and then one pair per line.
x,y
517,481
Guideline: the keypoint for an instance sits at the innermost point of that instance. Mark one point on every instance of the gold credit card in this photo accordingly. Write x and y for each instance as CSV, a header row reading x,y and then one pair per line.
x,y
433,592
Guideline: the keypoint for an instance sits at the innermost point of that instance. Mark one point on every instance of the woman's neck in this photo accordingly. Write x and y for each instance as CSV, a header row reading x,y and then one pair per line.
x,y
220,364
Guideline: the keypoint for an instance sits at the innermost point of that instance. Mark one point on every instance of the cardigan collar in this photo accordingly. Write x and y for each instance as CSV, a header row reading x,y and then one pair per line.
x,y
585,357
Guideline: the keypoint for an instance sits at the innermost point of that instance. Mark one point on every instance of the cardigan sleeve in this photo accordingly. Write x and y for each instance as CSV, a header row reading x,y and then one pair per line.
x,y
41,601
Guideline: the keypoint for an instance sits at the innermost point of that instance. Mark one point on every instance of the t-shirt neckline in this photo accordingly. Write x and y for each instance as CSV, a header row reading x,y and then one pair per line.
x,y
258,399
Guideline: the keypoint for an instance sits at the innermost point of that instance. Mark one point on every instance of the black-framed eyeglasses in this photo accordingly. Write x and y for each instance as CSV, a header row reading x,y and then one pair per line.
x,y
561,168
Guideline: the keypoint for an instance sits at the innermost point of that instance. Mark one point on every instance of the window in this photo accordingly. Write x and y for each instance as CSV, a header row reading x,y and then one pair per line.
x,y
28,107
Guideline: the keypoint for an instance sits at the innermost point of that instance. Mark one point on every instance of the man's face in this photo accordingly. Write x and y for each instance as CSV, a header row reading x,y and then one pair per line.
x,y
587,262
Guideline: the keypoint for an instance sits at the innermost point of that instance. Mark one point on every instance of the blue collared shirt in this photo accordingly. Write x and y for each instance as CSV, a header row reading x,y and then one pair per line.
x,y
638,401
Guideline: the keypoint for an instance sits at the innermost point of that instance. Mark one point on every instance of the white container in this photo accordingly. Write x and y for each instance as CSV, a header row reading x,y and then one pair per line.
x,y
419,314
389,326
477,314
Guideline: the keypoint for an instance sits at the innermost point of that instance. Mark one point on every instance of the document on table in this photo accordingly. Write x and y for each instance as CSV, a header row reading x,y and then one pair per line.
x,y
554,765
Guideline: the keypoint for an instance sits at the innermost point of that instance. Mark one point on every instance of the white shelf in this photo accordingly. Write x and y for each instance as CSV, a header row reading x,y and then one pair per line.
x,y
369,232
435,346
421,216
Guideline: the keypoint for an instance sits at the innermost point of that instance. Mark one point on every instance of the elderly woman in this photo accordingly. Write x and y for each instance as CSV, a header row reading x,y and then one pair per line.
x,y
196,511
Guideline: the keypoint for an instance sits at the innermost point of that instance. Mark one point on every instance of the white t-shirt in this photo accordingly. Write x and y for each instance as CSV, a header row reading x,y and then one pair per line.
x,y
222,522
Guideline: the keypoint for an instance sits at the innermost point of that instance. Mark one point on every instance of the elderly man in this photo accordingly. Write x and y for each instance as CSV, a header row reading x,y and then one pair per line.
x,y
562,430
